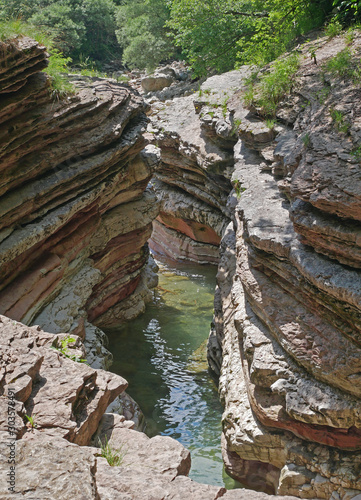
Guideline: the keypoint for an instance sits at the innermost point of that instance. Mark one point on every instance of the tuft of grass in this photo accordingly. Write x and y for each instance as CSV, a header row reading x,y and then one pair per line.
x,y
343,66
60,86
31,422
273,85
64,349
236,125
271,123
306,139
339,121
88,68
340,64
114,456
350,35
224,108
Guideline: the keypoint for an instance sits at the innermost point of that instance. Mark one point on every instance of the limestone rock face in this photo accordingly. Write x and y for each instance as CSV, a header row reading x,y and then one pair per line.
x,y
75,215
196,139
65,398
53,421
287,327
157,82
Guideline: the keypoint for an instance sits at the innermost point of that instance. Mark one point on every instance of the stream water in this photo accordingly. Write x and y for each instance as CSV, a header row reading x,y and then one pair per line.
x,y
161,354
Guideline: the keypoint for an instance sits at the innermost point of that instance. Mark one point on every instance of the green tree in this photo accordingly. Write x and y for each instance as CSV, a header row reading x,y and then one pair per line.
x,y
80,27
99,20
216,34
142,34
64,20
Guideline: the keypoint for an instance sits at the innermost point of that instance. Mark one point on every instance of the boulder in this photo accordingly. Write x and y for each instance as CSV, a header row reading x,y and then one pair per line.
x,y
157,82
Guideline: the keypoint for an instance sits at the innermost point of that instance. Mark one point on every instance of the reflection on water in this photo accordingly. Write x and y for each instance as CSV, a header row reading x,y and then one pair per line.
x,y
177,395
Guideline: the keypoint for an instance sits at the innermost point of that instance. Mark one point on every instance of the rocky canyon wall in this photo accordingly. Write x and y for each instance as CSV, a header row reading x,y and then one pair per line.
x,y
75,211
286,336
75,219
193,177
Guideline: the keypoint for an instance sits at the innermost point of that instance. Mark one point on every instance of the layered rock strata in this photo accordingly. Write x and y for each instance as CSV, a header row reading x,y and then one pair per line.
x,y
286,339
75,215
196,142
75,218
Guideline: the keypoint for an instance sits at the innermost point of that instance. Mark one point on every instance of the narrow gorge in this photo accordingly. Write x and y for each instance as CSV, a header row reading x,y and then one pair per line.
x,y
89,183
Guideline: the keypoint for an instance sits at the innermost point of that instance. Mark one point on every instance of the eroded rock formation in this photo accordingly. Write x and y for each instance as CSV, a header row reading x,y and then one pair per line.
x,y
53,420
286,341
75,212
286,336
196,164
75,219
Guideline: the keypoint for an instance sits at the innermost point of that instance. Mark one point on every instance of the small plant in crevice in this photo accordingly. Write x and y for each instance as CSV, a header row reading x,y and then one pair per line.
x,y
236,124
224,106
30,421
312,52
338,118
65,351
356,153
249,97
271,123
114,456
306,139
238,189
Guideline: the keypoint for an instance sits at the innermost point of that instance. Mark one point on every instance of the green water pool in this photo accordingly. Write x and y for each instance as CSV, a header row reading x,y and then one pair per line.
x,y
167,378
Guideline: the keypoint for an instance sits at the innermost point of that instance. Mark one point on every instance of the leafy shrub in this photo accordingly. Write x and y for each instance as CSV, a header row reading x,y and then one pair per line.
x,y
77,26
218,34
348,11
274,85
333,29
141,33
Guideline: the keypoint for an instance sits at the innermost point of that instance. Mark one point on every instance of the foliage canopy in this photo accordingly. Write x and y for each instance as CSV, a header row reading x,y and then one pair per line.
x,y
219,34
83,28
213,35
141,32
